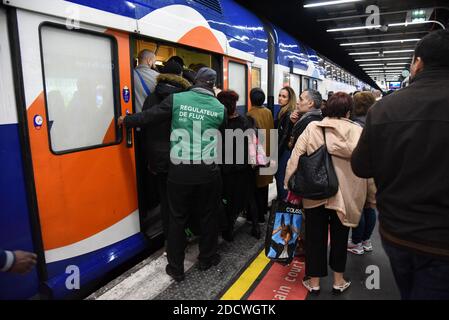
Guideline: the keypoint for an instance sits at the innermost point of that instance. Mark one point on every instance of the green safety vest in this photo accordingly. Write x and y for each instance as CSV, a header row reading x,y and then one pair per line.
x,y
196,119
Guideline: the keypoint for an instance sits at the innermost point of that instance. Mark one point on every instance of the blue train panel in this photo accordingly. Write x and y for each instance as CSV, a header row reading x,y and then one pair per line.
x,y
320,71
243,29
14,219
289,51
91,266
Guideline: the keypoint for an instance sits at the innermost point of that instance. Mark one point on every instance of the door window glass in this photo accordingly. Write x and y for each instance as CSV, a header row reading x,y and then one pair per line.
x,y
79,75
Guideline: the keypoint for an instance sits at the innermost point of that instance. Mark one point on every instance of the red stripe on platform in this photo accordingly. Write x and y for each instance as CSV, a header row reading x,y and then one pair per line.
x,y
282,283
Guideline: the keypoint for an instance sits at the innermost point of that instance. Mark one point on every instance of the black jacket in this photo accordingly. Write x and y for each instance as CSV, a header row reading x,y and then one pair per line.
x,y
300,126
284,126
244,123
162,113
157,136
405,147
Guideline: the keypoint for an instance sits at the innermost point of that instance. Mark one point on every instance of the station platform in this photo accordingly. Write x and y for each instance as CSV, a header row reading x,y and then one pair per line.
x,y
245,273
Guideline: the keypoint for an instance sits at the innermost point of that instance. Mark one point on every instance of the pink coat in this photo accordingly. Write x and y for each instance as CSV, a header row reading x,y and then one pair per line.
x,y
342,136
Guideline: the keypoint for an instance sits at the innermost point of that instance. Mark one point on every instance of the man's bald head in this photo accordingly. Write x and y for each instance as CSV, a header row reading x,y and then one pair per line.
x,y
147,57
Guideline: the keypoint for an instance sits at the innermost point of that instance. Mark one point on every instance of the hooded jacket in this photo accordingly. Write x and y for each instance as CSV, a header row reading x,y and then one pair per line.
x,y
182,111
342,136
157,135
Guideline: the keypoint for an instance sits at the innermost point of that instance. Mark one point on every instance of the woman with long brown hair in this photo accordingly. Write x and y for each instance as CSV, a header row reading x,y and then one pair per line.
x,y
287,102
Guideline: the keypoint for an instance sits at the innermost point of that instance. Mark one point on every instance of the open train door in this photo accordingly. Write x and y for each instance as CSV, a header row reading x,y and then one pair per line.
x,y
76,84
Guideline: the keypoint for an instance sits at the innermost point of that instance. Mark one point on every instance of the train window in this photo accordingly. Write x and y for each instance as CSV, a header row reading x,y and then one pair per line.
x,y
238,83
305,83
79,74
286,80
315,84
256,78
295,83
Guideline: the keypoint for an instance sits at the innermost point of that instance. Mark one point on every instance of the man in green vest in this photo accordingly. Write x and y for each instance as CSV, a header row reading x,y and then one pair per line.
x,y
194,180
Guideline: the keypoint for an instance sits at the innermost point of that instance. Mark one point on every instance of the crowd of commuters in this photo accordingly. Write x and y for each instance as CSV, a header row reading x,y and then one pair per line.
x,y
389,154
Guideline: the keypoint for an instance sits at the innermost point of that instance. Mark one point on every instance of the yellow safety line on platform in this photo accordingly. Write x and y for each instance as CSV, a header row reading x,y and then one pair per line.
x,y
242,285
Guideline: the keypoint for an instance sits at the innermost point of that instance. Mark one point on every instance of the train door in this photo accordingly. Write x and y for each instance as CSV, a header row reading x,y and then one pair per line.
x,y
15,227
149,202
236,77
76,84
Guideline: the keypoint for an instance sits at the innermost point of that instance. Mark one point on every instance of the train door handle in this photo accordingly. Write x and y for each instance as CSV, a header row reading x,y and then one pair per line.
x,y
129,137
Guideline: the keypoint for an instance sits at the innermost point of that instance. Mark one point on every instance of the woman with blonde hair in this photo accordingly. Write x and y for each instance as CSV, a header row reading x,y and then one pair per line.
x,y
287,101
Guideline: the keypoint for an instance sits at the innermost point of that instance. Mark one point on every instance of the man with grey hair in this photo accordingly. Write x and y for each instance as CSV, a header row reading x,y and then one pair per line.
x,y
308,109
144,77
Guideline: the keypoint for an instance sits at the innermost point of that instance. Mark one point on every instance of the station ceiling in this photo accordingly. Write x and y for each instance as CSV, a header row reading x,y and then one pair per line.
x,y
381,46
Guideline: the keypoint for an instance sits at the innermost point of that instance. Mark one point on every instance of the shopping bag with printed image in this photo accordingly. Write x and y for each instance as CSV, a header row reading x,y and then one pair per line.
x,y
283,229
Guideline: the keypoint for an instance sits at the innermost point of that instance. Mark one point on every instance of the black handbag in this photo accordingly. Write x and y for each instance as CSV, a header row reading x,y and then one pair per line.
x,y
315,177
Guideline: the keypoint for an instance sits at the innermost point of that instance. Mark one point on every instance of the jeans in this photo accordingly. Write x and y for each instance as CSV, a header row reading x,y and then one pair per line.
x,y
419,277
280,174
366,226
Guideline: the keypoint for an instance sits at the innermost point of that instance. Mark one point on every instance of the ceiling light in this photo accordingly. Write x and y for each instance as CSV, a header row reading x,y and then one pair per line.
x,y
363,53
397,63
399,51
328,3
354,28
371,64
385,68
383,59
377,42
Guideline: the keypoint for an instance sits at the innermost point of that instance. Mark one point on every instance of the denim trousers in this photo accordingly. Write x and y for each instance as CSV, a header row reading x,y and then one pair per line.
x,y
418,276
366,226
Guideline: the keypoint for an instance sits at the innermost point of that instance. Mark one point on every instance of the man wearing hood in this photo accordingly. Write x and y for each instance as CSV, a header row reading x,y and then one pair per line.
x,y
194,180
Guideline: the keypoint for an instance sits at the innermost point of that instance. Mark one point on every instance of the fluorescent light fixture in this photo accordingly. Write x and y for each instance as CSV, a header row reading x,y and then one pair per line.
x,y
377,26
384,68
399,51
383,59
378,52
384,72
371,64
328,3
378,42
397,63
363,53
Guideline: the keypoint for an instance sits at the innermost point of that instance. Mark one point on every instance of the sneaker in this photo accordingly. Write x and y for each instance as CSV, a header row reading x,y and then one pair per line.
x,y
367,245
355,248
341,288
178,277
215,260
308,286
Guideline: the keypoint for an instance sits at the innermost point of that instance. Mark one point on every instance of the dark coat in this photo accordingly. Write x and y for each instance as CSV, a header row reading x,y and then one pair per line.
x,y
405,147
299,128
157,136
284,126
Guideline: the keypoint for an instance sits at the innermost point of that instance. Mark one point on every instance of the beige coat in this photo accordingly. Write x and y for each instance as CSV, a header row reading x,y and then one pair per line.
x,y
264,120
342,136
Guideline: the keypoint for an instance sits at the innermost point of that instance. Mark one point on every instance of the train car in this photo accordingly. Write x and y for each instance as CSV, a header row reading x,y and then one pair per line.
x,y
70,180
